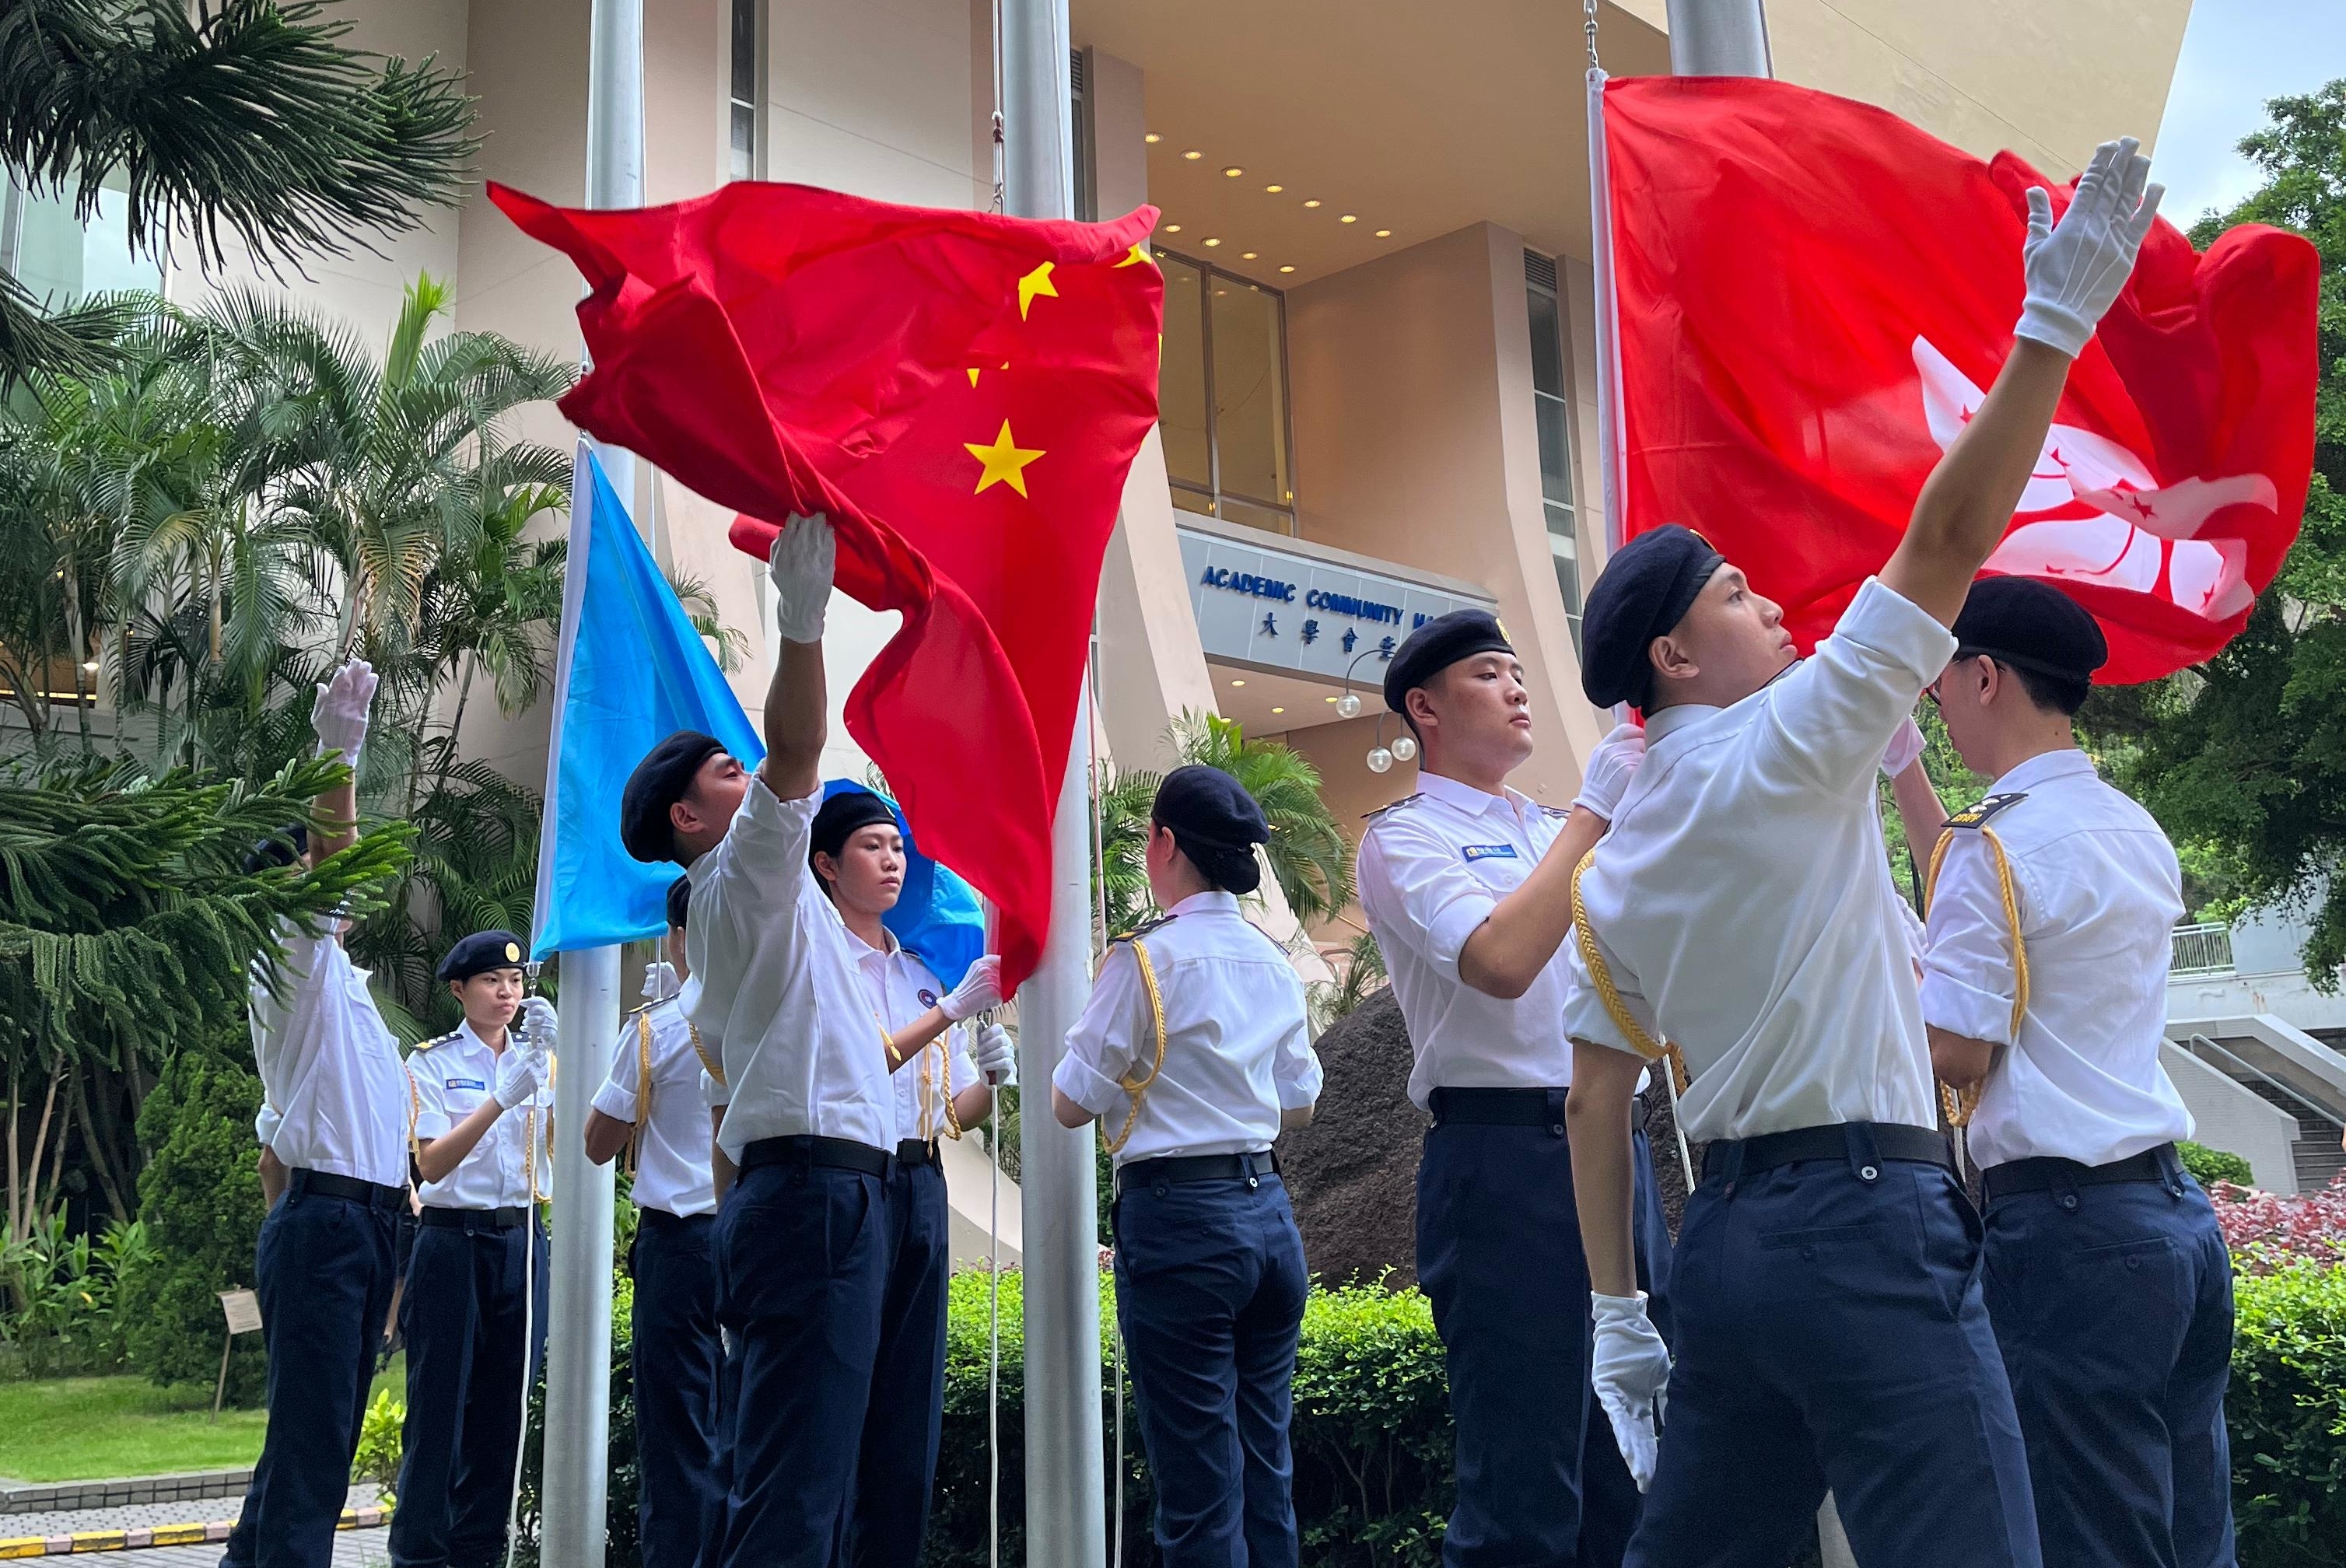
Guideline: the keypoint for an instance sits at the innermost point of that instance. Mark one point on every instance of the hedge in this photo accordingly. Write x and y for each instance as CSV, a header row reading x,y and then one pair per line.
x,y
2208,1166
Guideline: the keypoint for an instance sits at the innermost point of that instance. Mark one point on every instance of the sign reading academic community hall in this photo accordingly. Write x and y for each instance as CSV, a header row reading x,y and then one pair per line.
x,y
1289,605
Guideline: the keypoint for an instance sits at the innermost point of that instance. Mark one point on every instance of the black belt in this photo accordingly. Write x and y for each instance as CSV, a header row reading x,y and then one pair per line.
x,y
2049,1174
806,1149
468,1218
917,1152
1248,1168
1891,1141
325,1185
1499,1107
661,1219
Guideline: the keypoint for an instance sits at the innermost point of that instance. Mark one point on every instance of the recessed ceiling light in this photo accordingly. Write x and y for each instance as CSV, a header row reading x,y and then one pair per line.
x,y
1246,255
1213,242
1172,229
1232,172
1384,233
1289,268
1313,202
1327,700
1279,710
1274,189
1238,683
1348,218
1193,155
1152,138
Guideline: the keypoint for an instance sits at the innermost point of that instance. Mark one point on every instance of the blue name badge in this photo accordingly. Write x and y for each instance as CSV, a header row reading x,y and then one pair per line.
x,y
467,1084
1488,851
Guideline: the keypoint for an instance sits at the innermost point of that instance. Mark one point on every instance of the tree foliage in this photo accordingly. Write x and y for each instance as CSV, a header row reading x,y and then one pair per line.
x,y
2243,758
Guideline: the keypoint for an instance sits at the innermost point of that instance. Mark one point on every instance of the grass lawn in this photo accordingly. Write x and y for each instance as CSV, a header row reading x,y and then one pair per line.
x,y
88,1428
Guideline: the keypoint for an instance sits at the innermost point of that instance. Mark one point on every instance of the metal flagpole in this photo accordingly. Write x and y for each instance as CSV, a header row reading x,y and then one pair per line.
x,y
1066,1520
577,1484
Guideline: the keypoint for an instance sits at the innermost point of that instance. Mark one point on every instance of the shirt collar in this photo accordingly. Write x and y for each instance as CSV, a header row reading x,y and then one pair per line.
x,y
1467,798
1213,898
2042,768
1670,720
864,951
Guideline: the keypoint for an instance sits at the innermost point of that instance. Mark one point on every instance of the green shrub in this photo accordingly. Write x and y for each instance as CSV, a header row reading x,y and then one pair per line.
x,y
60,1298
377,1459
2208,1166
2286,1412
201,1202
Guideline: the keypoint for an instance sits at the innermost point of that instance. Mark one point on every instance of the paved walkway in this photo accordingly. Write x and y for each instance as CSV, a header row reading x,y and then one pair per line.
x,y
352,1547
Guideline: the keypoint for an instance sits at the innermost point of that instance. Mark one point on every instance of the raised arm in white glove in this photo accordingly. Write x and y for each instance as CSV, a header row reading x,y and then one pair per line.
x,y
520,1070
803,559
1605,777
538,1023
340,713
997,1056
980,989
1904,747
1631,1370
2076,267
660,981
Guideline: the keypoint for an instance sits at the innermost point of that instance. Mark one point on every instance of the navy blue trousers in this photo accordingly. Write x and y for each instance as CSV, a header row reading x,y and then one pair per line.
x,y
801,1277
325,1271
1831,1335
467,1363
2113,1305
896,1474
1209,1289
1541,1482
680,1501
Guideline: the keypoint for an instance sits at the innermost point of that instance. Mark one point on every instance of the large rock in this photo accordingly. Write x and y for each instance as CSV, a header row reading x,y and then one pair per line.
x,y
1352,1172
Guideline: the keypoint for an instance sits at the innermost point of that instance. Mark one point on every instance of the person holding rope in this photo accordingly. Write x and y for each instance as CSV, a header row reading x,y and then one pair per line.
x,y
810,1116
1826,1290
1464,887
651,1109
857,855
483,1097
2108,1284
332,1129
1194,1047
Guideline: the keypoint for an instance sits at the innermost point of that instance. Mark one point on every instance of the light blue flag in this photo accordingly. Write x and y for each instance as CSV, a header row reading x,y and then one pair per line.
x,y
629,671
938,917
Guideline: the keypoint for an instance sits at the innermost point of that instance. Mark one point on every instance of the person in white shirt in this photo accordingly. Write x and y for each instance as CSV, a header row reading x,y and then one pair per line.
x,y
651,1108
1464,884
484,1137
810,1119
858,853
1828,1326
2108,1279
1194,1049
334,1124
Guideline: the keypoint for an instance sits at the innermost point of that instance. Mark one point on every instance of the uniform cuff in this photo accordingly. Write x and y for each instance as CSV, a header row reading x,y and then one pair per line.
x,y
1446,934
1085,1085
1950,1005
1886,621
614,1102
431,1124
1300,1096
712,1092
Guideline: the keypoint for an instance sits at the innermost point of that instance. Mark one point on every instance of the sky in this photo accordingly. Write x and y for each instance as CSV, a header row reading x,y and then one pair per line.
x,y
2236,54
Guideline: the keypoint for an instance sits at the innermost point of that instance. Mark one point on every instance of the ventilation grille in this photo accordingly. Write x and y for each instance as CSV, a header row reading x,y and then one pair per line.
x,y
1075,65
1539,270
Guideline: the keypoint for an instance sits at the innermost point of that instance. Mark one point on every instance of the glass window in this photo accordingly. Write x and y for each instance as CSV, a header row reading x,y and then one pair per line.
x,y
1552,417
1222,396
742,92
59,258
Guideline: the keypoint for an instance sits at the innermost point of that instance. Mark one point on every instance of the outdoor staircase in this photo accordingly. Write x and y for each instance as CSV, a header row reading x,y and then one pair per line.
x,y
2319,1158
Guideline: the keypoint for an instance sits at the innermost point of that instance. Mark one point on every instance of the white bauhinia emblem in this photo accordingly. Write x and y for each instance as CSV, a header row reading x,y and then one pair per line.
x,y
2121,528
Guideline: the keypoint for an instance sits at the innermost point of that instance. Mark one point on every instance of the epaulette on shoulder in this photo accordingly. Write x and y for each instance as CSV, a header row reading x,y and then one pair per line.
x,y
1977,816
1548,810
1381,811
1141,930
437,1040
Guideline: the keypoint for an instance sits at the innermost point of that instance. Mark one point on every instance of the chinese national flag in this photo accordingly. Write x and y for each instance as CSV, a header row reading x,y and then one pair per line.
x,y
962,394
1811,295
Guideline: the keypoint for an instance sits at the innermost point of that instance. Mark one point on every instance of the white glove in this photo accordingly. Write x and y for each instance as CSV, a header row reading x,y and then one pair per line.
x,y
1904,747
340,714
980,989
660,981
997,1056
1631,1370
538,1023
804,557
1605,777
519,1073
2075,271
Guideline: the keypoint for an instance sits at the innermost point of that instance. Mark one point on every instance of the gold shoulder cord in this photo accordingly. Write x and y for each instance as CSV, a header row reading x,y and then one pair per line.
x,y
1959,1107
1610,994
928,1079
414,1114
715,1068
643,1091
1136,1083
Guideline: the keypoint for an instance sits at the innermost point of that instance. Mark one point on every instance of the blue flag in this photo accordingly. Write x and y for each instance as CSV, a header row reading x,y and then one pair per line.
x,y
629,671
938,917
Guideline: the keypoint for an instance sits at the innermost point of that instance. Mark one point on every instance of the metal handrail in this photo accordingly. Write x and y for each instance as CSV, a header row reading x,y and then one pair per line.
x,y
2260,1073
2202,949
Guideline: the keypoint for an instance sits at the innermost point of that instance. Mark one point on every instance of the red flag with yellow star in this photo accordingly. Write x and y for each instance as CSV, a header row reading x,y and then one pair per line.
x,y
962,394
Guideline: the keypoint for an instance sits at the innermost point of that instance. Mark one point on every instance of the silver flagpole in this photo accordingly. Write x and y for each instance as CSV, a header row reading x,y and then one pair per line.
x,y
576,1487
1066,1520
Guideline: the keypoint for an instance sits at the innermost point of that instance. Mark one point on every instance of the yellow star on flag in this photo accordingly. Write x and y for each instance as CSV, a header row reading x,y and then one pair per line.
x,y
1038,281
1005,462
973,375
1138,255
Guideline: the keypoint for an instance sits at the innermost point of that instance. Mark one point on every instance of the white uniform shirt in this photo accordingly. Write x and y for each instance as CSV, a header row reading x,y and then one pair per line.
x,y
1431,870
1742,900
672,1145
2099,894
453,1075
779,1003
334,1097
1236,1049
901,988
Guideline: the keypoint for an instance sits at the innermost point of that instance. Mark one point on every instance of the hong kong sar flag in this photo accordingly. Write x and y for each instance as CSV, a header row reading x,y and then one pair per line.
x,y
962,394
1809,296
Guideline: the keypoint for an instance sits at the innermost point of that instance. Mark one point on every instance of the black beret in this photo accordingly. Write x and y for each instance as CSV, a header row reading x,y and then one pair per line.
x,y
680,898
2032,625
481,952
658,782
286,848
841,816
1215,822
1644,591
1439,644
